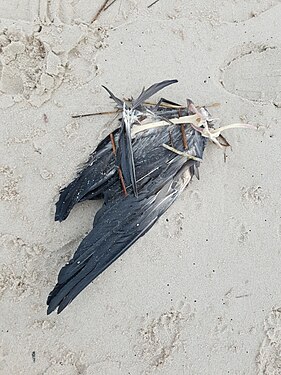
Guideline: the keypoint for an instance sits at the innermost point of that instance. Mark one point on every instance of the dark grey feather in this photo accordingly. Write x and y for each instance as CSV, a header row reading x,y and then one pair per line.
x,y
153,89
118,101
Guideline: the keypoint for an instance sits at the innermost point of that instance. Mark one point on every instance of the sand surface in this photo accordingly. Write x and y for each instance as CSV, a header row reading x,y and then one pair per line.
x,y
200,293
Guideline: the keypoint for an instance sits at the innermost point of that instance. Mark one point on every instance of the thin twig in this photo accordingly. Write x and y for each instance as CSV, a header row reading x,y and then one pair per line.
x,y
122,181
94,114
184,139
119,169
109,5
113,144
183,134
101,9
181,153
154,2
192,119
165,105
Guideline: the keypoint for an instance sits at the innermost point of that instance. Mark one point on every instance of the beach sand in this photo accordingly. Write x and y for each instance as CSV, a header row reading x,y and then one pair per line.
x,y
200,293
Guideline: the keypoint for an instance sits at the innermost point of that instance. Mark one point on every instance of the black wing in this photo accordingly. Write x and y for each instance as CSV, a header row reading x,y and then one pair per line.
x,y
117,225
99,169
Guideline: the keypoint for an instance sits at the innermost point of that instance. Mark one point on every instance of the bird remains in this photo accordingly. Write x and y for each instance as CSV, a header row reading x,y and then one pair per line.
x,y
139,170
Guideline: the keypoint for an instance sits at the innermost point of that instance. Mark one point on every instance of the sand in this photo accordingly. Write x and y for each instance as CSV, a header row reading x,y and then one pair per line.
x,y
200,293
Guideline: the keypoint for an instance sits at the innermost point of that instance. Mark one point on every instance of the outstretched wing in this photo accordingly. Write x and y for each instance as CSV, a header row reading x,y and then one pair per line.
x,y
117,225
99,169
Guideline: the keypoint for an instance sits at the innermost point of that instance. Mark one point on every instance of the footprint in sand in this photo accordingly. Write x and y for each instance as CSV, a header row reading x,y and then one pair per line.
x,y
161,336
237,73
268,359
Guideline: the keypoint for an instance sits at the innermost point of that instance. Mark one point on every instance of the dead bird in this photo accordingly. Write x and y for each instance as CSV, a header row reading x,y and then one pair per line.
x,y
139,170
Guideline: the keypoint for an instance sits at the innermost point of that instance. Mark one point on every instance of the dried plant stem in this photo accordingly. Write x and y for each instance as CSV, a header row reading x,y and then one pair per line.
x,y
113,143
184,139
120,174
154,2
101,9
122,181
181,153
94,114
109,5
192,119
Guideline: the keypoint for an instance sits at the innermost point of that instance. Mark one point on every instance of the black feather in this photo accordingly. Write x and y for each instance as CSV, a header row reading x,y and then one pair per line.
x,y
153,89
